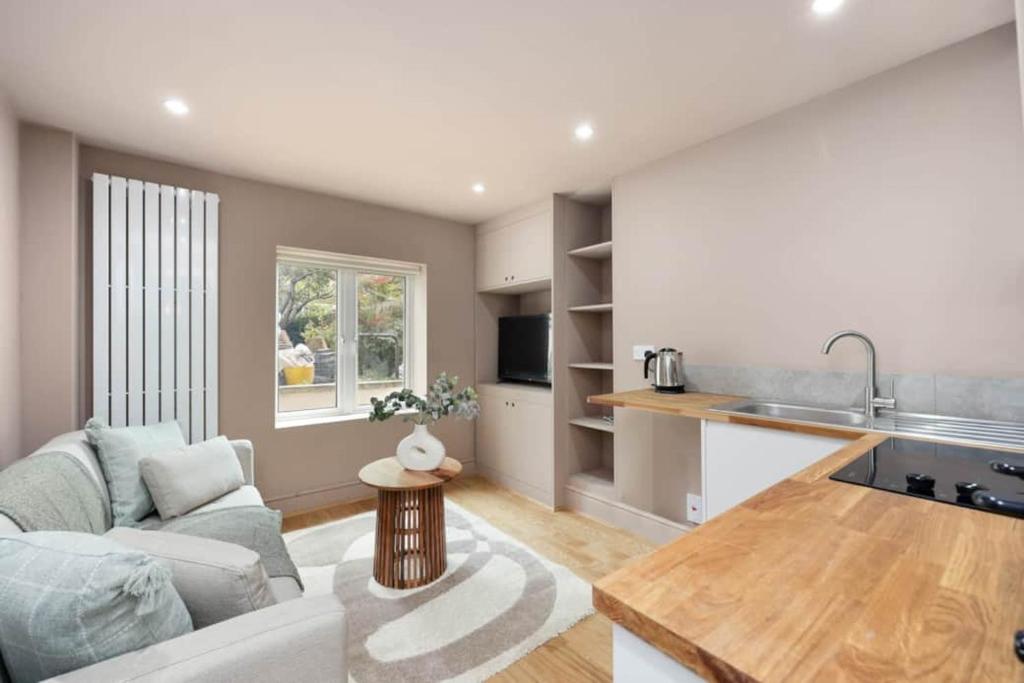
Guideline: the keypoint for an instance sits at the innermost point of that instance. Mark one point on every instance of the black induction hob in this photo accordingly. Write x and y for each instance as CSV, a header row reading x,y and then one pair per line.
x,y
978,478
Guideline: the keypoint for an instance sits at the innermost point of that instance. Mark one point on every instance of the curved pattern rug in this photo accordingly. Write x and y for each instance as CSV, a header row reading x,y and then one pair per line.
x,y
497,601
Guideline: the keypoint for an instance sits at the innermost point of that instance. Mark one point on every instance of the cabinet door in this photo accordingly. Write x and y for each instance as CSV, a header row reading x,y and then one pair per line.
x,y
532,456
489,428
529,246
492,259
740,461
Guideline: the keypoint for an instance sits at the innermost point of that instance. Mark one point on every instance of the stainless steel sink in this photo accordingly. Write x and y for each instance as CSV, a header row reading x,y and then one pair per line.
x,y
915,425
795,413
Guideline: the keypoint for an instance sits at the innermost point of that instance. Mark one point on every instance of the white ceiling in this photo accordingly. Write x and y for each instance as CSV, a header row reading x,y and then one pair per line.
x,y
408,103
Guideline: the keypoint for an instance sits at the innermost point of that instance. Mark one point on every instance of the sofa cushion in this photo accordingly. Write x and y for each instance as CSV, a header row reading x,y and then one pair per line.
x,y
72,599
216,580
242,497
285,588
119,450
183,479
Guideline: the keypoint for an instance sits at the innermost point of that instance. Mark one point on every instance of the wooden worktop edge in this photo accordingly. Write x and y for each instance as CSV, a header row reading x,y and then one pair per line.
x,y
830,463
612,401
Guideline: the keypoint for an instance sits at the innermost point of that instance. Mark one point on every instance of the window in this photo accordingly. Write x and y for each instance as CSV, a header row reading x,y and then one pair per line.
x,y
348,328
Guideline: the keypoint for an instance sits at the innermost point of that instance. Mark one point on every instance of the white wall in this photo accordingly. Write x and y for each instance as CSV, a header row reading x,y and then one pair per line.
x,y
10,375
894,206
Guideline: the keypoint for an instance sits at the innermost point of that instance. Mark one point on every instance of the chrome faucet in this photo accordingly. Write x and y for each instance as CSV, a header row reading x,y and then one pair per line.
x,y
871,400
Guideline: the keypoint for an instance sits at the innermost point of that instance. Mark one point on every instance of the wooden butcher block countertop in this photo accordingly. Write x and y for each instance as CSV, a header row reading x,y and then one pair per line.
x,y
698,406
816,580
684,405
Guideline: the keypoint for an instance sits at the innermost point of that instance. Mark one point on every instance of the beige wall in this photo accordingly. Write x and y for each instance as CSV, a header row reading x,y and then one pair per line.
x,y
894,206
304,467
49,250
10,375
1020,44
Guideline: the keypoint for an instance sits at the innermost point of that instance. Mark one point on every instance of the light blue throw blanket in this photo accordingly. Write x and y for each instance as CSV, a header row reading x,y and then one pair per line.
x,y
52,492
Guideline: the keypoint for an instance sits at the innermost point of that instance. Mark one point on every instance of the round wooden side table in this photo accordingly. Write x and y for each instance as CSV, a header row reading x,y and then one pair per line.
x,y
410,548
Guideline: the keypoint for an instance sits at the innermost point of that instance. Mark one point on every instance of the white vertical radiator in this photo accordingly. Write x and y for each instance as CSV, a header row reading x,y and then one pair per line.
x,y
154,274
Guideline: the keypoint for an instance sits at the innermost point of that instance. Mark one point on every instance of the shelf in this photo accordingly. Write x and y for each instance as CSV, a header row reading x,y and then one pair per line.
x,y
607,367
537,285
601,250
599,482
592,308
593,423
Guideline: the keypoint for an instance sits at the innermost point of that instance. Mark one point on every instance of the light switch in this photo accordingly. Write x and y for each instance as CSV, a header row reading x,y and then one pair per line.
x,y
640,350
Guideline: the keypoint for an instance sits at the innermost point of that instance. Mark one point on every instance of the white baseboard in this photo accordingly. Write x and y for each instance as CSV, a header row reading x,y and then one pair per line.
x,y
538,495
649,525
335,494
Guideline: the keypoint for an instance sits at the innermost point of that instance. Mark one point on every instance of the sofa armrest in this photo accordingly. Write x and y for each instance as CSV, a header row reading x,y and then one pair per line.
x,y
298,640
243,449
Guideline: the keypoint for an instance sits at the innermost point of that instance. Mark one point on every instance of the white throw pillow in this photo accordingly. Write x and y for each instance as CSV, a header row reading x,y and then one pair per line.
x,y
183,479
216,580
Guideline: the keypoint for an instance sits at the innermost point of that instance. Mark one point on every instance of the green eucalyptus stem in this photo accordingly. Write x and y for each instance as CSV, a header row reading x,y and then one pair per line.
x,y
440,401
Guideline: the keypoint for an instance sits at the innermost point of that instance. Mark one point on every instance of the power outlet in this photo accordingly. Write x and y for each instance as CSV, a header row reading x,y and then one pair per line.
x,y
640,351
694,508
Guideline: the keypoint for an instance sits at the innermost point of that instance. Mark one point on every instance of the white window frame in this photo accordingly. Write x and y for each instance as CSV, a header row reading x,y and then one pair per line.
x,y
347,267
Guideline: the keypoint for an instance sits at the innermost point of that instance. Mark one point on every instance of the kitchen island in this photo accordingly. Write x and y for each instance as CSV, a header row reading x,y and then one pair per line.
x,y
813,579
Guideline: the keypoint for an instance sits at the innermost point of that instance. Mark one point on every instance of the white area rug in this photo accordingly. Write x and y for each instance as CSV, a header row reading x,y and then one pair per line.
x,y
498,601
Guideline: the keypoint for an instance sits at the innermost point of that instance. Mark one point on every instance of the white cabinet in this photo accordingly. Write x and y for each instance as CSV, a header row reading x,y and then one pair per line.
x,y
514,255
634,659
515,439
739,461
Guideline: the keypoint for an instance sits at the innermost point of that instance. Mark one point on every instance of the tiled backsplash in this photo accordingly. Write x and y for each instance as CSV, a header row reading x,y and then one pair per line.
x,y
978,397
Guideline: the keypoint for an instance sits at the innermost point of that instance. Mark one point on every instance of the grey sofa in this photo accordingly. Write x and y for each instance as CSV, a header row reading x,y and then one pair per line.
x,y
298,638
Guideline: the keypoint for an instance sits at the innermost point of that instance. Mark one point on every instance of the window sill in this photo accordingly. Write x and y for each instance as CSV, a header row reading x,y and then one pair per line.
x,y
289,422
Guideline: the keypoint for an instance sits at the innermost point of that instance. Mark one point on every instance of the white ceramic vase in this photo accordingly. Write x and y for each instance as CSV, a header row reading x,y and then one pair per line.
x,y
421,450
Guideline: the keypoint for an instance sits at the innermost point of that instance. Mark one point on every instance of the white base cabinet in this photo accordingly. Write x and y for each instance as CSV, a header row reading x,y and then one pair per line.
x,y
634,660
738,461
515,439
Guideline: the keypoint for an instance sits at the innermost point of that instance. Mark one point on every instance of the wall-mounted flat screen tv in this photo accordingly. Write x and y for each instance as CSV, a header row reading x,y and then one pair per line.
x,y
524,349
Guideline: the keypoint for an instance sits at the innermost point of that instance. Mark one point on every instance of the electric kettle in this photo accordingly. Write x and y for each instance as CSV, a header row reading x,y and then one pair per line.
x,y
668,370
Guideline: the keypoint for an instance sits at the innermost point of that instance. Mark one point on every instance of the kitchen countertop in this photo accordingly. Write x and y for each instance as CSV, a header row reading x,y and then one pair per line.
x,y
818,580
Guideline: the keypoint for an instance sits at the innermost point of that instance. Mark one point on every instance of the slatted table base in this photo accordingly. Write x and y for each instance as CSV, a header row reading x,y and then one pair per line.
x,y
410,548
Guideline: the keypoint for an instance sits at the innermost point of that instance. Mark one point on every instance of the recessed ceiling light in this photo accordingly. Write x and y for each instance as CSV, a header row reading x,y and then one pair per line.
x,y
479,188
584,131
176,106
826,6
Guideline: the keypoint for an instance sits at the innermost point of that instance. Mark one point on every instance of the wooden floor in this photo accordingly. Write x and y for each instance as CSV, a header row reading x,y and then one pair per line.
x,y
587,547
